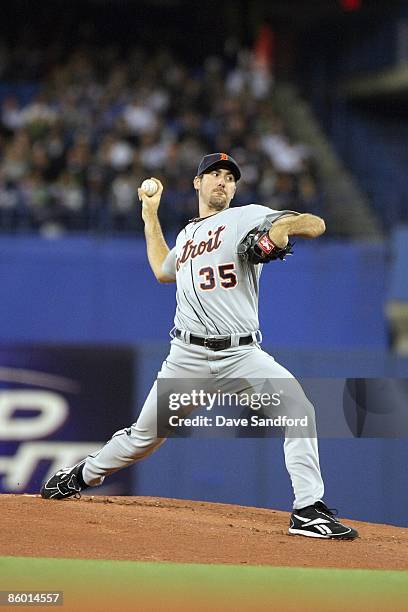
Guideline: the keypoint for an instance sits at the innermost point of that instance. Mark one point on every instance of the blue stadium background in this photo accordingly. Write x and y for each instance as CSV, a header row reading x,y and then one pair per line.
x,y
81,290
323,312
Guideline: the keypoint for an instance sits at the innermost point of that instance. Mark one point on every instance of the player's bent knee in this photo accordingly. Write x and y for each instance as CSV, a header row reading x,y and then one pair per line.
x,y
143,446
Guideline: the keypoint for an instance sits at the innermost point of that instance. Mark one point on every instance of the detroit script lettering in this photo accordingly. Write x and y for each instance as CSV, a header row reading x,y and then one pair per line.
x,y
193,250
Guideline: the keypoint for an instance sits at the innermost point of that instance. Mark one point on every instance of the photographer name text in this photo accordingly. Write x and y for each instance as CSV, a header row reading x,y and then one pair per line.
x,y
222,421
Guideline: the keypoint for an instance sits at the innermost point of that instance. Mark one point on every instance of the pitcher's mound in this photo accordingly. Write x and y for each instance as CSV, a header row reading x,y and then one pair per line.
x,y
159,529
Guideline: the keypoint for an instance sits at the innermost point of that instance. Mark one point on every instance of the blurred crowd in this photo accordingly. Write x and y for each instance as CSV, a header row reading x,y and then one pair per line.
x,y
74,151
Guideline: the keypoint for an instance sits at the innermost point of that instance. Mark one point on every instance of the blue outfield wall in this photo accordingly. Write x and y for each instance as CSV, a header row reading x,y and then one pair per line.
x,y
364,478
325,306
330,294
398,283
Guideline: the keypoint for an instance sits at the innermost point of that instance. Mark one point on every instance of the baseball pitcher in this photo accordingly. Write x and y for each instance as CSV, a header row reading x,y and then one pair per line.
x,y
216,263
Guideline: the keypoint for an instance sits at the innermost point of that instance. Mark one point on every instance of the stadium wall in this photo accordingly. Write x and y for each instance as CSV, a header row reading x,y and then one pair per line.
x,y
319,318
329,295
364,477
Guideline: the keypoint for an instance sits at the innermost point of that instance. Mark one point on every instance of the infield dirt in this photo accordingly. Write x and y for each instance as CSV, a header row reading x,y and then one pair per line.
x,y
159,529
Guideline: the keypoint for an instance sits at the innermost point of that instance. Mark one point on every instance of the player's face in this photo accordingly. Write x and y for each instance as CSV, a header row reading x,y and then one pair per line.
x,y
216,188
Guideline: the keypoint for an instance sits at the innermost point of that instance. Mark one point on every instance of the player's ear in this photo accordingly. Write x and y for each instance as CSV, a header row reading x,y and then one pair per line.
x,y
197,182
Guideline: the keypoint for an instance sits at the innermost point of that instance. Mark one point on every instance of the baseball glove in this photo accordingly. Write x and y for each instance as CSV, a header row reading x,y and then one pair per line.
x,y
257,247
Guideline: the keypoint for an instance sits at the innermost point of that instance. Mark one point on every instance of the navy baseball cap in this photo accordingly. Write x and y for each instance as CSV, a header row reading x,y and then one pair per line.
x,y
221,160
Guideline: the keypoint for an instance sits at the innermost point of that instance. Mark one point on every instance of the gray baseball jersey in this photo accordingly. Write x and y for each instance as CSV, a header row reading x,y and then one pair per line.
x,y
217,292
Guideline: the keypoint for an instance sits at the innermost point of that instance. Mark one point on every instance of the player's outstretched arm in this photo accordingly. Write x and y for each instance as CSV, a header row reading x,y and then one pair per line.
x,y
157,249
304,226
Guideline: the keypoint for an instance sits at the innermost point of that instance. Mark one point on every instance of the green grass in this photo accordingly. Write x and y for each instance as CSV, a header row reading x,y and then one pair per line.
x,y
171,586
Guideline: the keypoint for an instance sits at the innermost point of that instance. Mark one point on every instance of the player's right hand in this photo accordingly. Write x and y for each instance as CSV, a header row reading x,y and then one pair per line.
x,y
150,204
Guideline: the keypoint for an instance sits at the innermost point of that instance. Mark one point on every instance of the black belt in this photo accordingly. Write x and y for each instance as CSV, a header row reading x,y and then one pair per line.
x,y
214,344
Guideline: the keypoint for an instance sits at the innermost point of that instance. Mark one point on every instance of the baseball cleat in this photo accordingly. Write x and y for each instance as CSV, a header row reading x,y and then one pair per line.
x,y
64,483
317,521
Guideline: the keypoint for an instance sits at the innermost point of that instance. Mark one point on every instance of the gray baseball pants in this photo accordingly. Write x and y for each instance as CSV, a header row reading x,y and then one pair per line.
x,y
237,362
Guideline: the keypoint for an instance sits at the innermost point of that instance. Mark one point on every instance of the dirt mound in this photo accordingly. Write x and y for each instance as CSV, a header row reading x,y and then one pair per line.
x,y
159,529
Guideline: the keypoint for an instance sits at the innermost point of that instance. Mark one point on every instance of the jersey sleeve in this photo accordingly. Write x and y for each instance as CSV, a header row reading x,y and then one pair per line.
x,y
253,215
169,264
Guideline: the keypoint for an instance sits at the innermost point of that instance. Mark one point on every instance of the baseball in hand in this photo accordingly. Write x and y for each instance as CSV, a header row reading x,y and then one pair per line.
x,y
149,187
